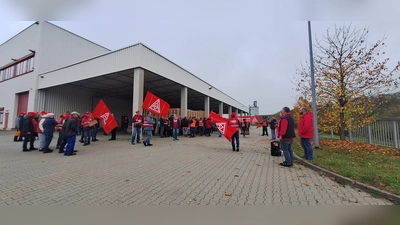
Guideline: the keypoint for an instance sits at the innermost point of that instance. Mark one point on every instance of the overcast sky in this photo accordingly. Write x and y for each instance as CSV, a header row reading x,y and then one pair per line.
x,y
247,49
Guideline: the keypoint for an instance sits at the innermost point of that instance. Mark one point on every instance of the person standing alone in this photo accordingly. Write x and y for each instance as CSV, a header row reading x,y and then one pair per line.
x,y
306,132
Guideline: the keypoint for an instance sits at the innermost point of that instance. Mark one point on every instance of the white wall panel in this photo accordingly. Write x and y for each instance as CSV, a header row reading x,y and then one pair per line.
x,y
132,57
66,98
122,59
60,47
19,45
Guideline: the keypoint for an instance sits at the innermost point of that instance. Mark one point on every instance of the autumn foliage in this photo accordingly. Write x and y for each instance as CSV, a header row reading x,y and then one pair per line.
x,y
348,72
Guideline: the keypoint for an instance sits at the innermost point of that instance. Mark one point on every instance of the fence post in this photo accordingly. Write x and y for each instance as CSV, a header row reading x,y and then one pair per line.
x,y
350,135
396,143
369,134
332,133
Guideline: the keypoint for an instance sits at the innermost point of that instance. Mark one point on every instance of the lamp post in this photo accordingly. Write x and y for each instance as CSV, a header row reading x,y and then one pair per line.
x,y
314,103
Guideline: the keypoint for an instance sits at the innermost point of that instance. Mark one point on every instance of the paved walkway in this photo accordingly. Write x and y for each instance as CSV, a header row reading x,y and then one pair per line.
x,y
191,171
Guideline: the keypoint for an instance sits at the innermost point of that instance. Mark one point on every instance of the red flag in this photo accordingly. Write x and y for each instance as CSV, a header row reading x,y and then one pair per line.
x,y
155,104
256,119
223,126
102,112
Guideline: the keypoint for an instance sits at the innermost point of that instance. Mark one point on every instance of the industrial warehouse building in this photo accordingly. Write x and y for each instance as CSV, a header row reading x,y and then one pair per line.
x,y
45,67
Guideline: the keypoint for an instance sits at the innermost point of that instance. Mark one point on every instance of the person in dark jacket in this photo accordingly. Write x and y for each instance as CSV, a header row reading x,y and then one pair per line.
x,y
125,123
162,127
272,126
63,133
28,132
71,131
49,126
285,136
184,125
19,122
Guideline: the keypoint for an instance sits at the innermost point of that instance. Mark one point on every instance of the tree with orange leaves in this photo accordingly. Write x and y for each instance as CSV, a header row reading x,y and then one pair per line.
x,y
348,72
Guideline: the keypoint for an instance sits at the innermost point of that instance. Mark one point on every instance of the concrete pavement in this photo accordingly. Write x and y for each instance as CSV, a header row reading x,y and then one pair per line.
x,y
190,171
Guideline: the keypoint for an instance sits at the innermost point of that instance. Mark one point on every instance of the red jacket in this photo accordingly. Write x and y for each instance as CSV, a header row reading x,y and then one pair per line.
x,y
306,126
208,123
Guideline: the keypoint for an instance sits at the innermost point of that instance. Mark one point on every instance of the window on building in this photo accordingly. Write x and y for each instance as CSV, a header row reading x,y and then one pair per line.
x,y
17,68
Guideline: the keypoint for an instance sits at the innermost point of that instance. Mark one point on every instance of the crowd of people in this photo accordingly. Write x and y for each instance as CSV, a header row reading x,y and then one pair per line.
x,y
43,125
172,126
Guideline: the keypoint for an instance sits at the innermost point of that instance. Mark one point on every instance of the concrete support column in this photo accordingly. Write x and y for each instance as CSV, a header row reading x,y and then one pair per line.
x,y
206,106
237,111
184,101
221,108
138,89
229,110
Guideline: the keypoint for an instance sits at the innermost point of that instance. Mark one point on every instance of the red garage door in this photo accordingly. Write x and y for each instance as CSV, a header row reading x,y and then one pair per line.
x,y
23,102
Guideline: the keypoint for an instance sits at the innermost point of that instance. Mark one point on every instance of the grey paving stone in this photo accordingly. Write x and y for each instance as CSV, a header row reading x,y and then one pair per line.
x,y
168,173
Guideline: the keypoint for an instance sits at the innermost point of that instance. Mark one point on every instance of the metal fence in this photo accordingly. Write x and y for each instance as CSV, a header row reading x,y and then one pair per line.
x,y
383,132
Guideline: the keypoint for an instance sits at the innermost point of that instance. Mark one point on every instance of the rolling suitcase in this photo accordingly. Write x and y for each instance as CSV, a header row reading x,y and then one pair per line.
x,y
275,148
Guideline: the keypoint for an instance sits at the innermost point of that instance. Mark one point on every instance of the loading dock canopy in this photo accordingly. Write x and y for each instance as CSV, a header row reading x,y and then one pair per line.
x,y
111,74
120,85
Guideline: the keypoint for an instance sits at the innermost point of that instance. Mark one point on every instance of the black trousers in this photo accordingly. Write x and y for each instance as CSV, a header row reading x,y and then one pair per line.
x,y
62,145
28,138
265,130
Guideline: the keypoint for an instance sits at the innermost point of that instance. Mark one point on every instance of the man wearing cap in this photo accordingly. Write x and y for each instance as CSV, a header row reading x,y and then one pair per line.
x,y
49,126
40,132
19,121
28,132
137,122
71,130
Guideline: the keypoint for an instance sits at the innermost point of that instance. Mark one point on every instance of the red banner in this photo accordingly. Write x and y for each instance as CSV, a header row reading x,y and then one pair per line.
x,y
155,104
102,112
223,126
250,119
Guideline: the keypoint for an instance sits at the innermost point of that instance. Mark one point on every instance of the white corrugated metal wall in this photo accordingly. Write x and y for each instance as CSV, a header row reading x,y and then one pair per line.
x,y
66,98
60,48
112,62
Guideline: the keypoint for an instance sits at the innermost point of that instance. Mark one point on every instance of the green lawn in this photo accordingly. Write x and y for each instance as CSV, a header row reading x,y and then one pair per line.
x,y
378,170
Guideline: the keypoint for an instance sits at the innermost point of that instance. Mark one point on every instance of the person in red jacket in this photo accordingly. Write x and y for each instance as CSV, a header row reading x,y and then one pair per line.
x,y
306,132
285,136
209,127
